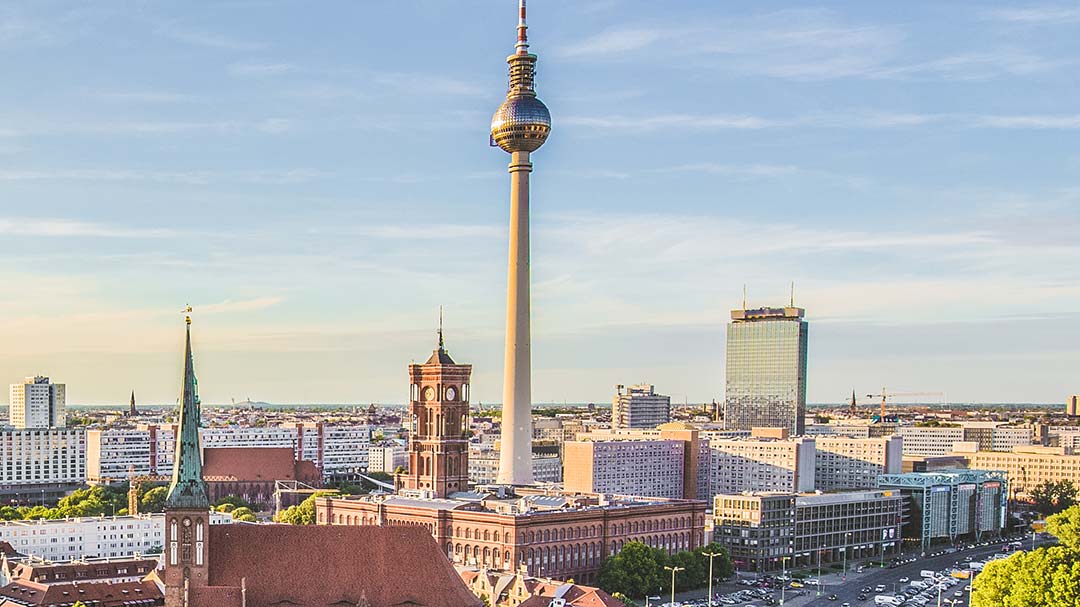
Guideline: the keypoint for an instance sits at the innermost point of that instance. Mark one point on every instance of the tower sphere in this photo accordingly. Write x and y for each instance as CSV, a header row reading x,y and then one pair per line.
x,y
521,124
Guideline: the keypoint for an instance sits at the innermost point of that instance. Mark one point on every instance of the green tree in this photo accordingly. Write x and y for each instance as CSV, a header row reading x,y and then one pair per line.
x,y
303,513
1045,577
1051,497
154,500
244,514
236,501
635,571
722,567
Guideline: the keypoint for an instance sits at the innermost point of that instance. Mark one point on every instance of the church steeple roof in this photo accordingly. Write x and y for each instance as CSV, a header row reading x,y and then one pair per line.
x,y
187,489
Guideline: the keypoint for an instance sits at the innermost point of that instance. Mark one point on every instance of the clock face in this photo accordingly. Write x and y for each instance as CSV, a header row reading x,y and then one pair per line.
x,y
429,393
451,393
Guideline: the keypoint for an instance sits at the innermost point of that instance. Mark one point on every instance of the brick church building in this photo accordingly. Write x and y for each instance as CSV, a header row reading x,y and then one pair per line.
x,y
253,565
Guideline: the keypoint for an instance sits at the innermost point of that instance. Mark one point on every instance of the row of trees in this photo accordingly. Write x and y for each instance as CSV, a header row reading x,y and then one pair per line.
x,y
1051,497
1046,577
638,570
94,501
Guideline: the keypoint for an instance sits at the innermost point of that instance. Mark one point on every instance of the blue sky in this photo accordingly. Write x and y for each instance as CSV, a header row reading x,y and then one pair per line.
x,y
315,178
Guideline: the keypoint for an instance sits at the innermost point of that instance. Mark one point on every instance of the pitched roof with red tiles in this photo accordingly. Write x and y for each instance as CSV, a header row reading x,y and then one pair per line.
x,y
47,573
8,550
334,565
22,593
576,595
248,464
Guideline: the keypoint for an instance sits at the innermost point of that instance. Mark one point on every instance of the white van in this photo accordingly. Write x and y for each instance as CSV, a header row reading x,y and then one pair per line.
x,y
887,599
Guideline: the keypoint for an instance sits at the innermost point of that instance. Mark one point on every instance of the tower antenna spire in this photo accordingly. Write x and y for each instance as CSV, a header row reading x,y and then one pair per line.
x,y
522,37
793,294
744,296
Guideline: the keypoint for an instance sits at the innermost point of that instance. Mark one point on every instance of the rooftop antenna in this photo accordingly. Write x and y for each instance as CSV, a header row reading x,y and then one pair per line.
x,y
440,328
793,294
744,296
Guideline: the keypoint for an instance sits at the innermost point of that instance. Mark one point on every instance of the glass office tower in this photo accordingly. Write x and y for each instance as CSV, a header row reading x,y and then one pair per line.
x,y
766,369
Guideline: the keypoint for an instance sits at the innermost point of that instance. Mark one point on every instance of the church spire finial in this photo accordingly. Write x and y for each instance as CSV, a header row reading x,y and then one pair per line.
x,y
187,489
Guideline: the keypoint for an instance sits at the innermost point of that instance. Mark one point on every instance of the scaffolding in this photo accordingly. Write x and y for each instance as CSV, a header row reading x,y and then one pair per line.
x,y
922,487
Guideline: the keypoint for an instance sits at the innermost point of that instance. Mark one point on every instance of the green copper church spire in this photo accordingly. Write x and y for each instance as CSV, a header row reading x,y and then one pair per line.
x,y
187,489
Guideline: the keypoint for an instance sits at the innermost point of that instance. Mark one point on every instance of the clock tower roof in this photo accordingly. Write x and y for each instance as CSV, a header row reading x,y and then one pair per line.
x,y
439,356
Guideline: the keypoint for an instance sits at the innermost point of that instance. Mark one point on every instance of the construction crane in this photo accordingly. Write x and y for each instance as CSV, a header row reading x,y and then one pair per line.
x,y
885,395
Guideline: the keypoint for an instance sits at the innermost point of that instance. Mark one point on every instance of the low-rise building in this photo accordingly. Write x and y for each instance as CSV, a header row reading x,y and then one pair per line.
x,y
104,537
512,589
763,530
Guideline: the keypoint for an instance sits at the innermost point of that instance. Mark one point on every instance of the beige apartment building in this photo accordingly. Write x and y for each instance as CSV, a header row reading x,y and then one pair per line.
x,y
762,464
1027,466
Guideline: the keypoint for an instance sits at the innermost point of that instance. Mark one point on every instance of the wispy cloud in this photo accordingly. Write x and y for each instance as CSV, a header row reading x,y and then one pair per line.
x,y
288,176
207,39
665,121
270,126
1036,14
615,41
260,70
1031,121
245,305
135,96
69,228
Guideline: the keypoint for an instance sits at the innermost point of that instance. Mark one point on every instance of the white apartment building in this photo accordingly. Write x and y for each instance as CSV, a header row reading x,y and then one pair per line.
x,y
35,459
484,467
650,468
939,440
66,539
149,449
387,458
37,403
639,407
930,440
855,463
762,464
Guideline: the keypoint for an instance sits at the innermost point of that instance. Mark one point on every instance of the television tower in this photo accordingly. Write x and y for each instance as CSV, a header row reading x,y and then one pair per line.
x,y
520,126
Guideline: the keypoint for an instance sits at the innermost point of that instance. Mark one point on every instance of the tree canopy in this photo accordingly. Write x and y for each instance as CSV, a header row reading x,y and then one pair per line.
x,y
1051,497
303,513
1045,577
638,570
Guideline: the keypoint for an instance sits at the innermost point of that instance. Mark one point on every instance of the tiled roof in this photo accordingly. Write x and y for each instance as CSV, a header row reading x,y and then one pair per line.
x,y
248,464
65,572
334,564
101,594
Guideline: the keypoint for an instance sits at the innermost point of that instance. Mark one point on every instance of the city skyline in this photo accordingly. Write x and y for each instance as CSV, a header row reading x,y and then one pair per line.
x,y
263,164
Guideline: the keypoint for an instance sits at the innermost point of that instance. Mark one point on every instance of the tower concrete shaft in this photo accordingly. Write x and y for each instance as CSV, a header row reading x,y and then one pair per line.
x,y
515,456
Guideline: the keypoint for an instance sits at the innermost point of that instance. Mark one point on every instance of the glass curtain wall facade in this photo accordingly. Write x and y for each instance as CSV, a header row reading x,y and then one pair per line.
x,y
766,370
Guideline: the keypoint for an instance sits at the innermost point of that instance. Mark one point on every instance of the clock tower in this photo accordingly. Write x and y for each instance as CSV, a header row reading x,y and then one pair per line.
x,y
438,423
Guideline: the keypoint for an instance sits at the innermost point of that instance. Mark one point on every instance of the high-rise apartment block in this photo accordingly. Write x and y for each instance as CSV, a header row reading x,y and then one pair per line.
x,y
41,464
762,464
652,468
1072,406
37,403
639,407
340,451
855,463
766,369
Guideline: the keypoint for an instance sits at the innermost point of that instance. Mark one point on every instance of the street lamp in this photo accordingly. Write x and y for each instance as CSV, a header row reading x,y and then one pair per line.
x,y
711,555
820,550
783,576
847,542
673,571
